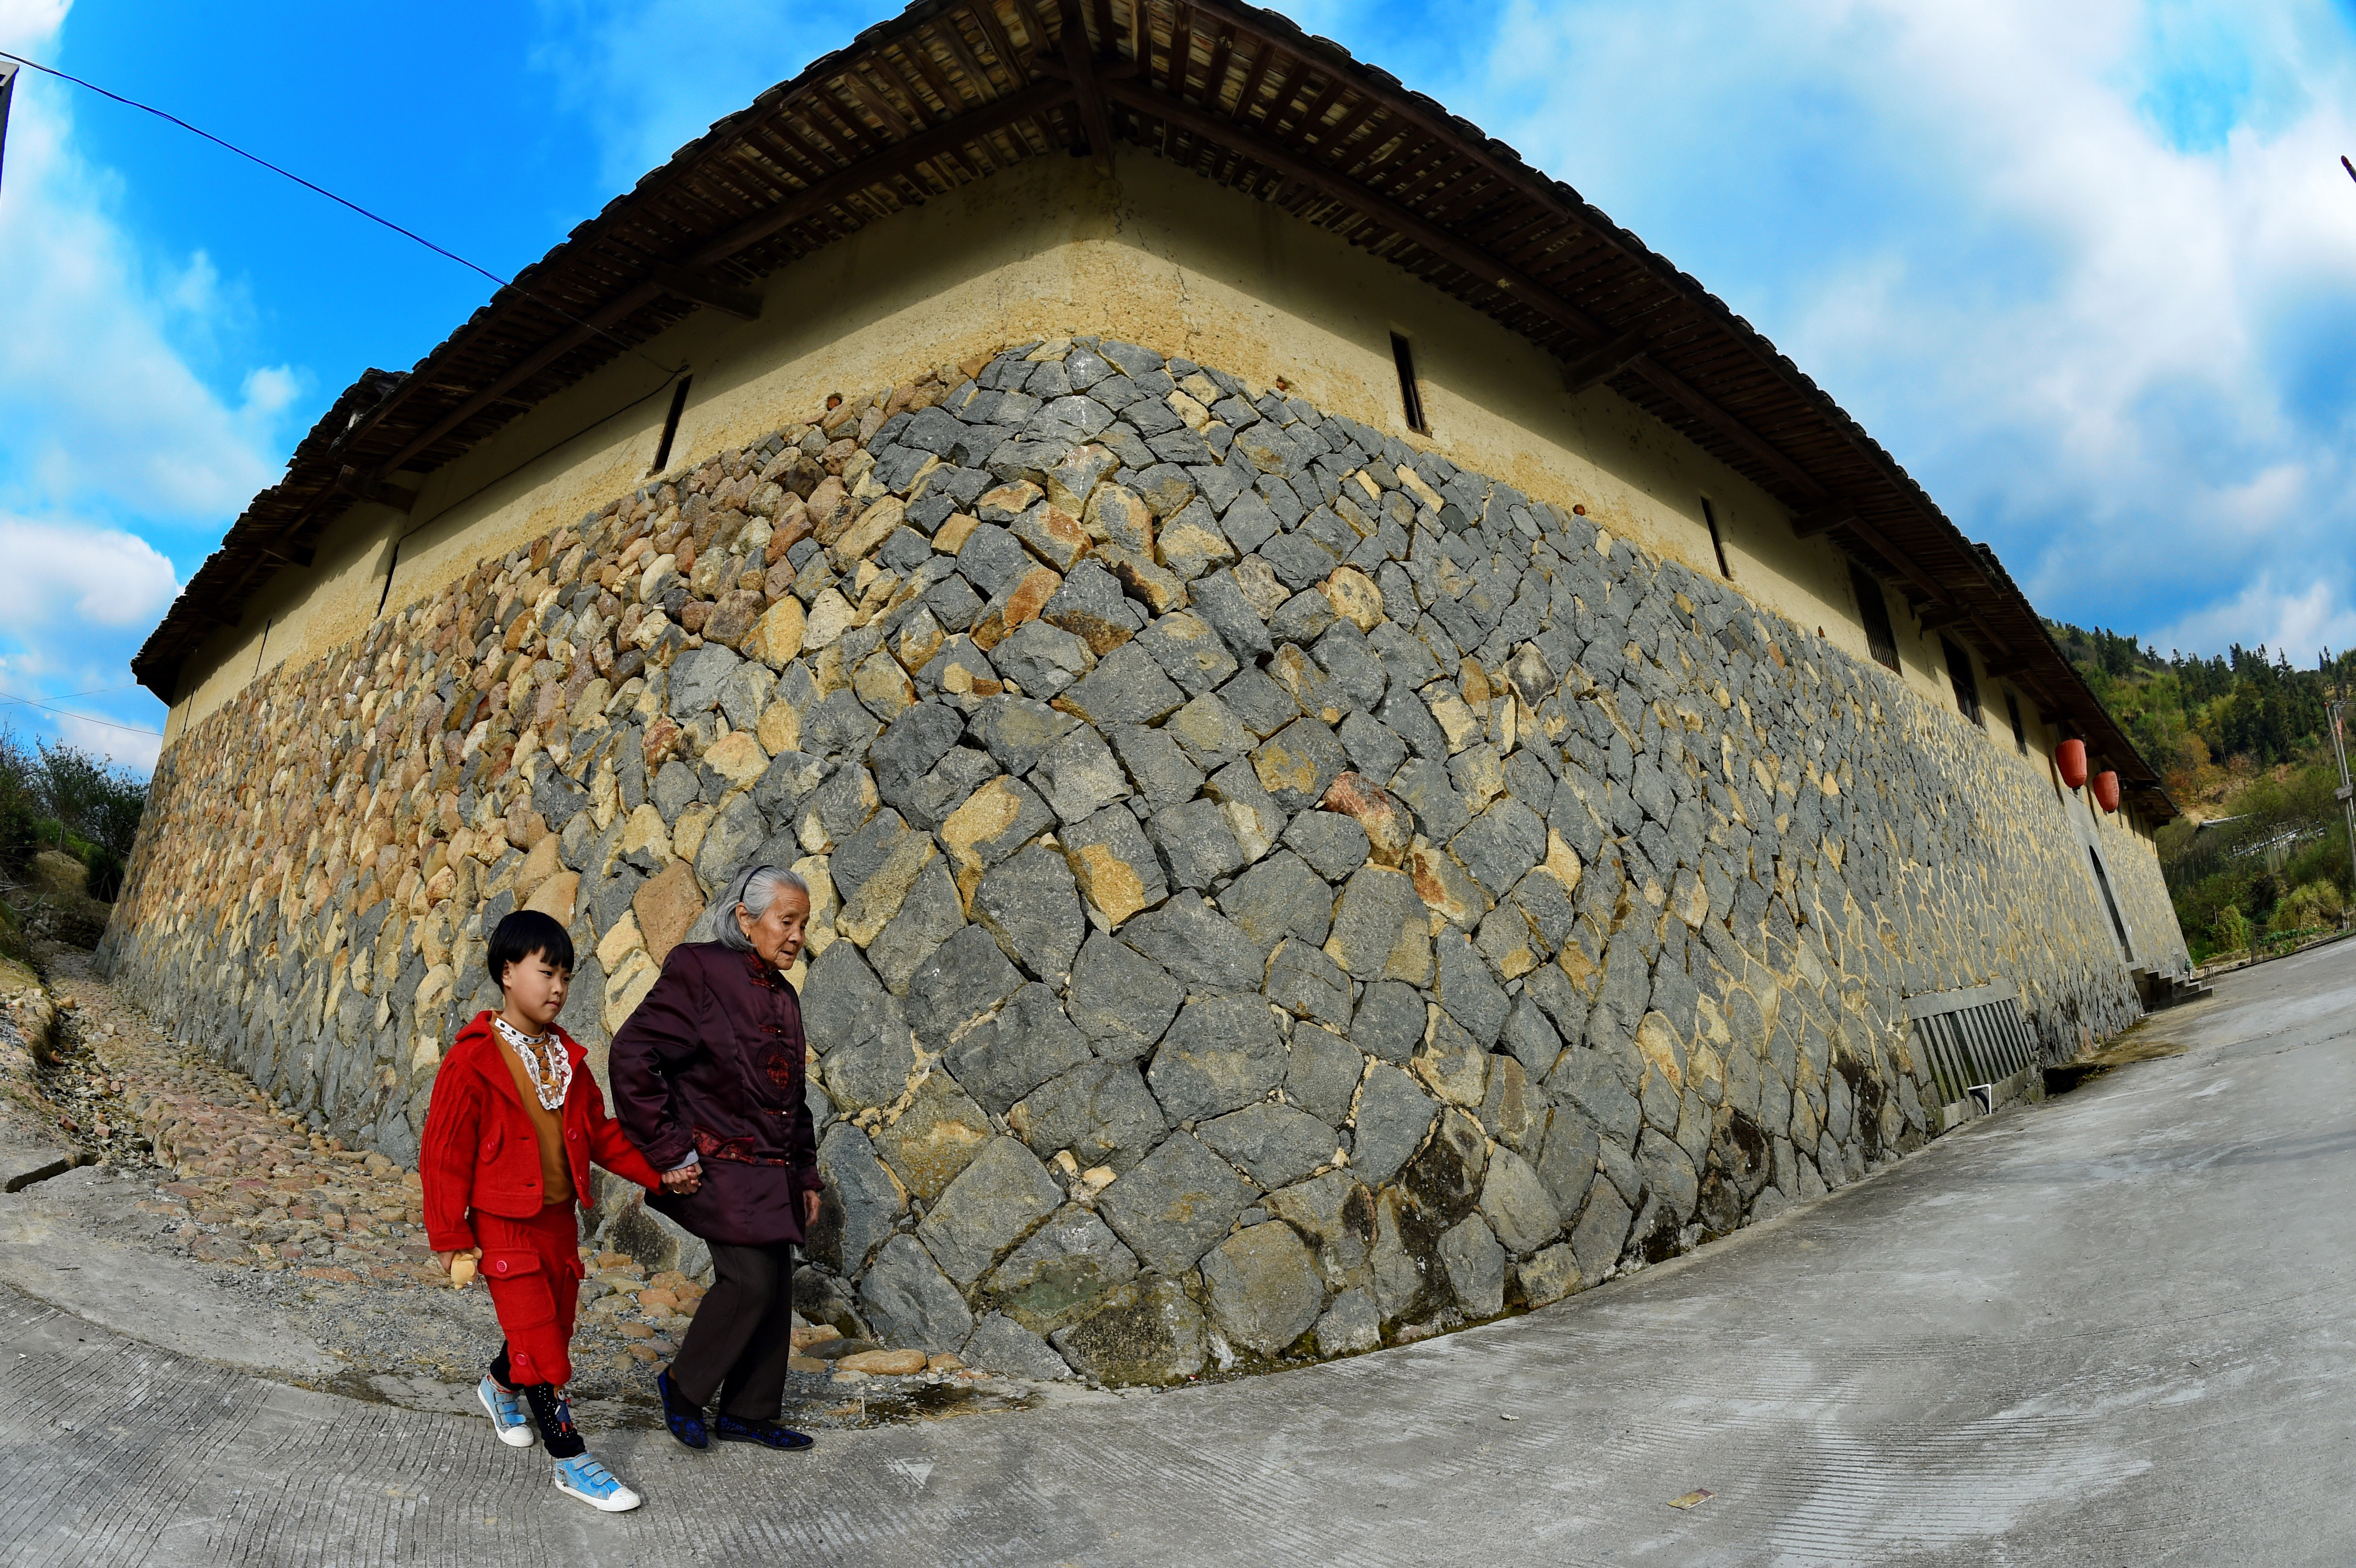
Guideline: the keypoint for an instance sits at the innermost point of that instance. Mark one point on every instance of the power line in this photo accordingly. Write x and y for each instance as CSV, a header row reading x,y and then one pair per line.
x,y
102,723
331,196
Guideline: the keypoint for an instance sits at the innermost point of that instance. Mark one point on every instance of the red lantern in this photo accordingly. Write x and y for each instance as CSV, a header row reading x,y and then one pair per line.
x,y
2106,790
2070,756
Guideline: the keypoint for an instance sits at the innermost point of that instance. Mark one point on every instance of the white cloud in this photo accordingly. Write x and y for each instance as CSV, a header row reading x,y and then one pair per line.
x,y
68,573
99,403
2264,613
2082,269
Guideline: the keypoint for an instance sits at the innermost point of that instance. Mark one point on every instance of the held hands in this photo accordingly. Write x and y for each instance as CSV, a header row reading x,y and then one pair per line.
x,y
681,1182
460,1267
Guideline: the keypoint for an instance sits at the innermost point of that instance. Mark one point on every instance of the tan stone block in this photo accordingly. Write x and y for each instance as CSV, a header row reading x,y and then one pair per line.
x,y
884,1363
1479,776
831,615
816,870
1155,585
554,897
687,833
1071,482
920,638
1004,503
627,987
874,527
650,630
1354,597
830,508
590,705
781,728
1419,487
1189,409
1563,861
990,811
1657,1042
951,536
646,830
739,757
1189,549
776,639
1055,536
1107,881
538,866
1456,719
886,888
1118,516
621,940
1457,1071
667,906
1445,886
1021,600
884,685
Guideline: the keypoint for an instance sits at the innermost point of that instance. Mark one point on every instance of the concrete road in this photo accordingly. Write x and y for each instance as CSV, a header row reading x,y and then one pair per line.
x,y
2111,1330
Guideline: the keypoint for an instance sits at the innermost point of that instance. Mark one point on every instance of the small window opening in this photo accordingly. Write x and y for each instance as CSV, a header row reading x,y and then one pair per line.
x,y
2019,730
1967,687
1717,540
2126,949
1874,611
671,424
1411,399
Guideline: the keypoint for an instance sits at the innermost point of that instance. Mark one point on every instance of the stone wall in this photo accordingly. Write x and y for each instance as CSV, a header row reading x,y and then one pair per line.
x,y
1275,891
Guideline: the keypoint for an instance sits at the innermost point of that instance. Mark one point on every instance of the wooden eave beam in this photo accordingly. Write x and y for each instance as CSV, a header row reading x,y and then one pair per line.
x,y
702,288
1704,409
1821,519
1600,364
1302,171
1081,63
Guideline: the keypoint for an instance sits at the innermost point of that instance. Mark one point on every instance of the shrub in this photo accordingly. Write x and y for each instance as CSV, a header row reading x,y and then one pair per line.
x,y
2233,932
2308,905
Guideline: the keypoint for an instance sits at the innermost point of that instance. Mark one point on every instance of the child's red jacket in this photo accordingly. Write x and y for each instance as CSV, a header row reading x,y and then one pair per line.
x,y
479,1151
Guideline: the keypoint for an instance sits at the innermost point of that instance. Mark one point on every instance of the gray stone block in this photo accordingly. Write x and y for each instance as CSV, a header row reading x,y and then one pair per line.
x,y
1372,748
697,677
1031,905
929,915
1333,845
1468,992
998,1344
963,979
1110,849
1176,1204
993,1203
1499,844
1223,1053
1028,1043
1351,1324
961,771
1077,776
1601,1232
992,557
1262,1288
1101,1111
1145,1333
1204,952
1380,931
1209,733
843,1002
1126,688
1042,660
1275,1143
1531,1038
1189,651
1440,813
1018,730
1281,897
1302,618
1070,1261
1298,765
875,1071
1121,1000
675,788
1392,1119
1197,847
1218,601
910,1302
1307,984
1164,774
861,1205
910,745
1476,1267
1321,1075
1518,1207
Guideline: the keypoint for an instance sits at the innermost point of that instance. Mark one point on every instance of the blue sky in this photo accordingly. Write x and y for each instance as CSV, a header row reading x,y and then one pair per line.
x,y
2088,271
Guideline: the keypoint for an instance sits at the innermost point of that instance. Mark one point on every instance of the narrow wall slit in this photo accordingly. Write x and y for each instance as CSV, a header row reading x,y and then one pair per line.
x,y
1411,399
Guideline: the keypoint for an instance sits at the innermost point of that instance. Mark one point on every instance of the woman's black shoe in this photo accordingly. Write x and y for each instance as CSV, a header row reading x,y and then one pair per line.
x,y
686,1419
768,1434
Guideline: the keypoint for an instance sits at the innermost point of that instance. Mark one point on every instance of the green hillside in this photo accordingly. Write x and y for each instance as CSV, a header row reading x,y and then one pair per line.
x,y
2240,741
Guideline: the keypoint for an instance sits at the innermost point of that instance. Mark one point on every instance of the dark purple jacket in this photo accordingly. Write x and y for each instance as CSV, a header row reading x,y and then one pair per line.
x,y
712,1062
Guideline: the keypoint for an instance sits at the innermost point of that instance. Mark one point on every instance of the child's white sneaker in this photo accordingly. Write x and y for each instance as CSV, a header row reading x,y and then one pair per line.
x,y
507,1417
582,1477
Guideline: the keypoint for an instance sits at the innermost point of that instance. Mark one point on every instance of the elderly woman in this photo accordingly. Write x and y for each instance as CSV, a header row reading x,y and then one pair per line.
x,y
707,1079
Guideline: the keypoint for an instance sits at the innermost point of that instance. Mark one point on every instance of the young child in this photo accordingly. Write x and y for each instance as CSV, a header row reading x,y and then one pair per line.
x,y
516,1121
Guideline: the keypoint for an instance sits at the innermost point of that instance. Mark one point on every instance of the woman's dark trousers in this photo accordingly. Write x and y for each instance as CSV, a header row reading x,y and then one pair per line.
x,y
742,1333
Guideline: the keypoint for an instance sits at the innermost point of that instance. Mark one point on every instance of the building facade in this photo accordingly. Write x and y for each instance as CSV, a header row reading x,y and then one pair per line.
x,y
1366,751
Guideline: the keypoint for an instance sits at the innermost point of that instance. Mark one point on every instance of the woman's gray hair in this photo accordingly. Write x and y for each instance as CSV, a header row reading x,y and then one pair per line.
x,y
755,887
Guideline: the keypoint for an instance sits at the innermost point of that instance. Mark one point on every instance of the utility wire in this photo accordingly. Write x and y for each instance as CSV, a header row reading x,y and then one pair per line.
x,y
331,196
102,723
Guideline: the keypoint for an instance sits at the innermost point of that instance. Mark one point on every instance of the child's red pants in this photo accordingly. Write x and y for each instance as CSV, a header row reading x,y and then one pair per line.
x,y
533,1269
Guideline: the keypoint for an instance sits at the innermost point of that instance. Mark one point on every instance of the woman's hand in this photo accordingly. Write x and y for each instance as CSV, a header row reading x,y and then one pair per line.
x,y
684,1180
809,1209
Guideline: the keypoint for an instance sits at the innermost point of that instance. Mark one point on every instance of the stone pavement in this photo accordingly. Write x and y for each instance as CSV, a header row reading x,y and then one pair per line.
x,y
2112,1328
